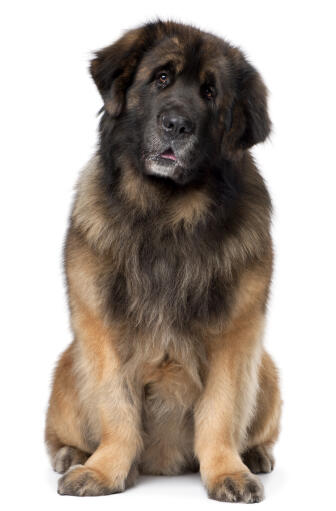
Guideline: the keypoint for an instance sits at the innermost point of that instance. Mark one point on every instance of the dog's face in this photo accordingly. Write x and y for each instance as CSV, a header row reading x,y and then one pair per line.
x,y
182,99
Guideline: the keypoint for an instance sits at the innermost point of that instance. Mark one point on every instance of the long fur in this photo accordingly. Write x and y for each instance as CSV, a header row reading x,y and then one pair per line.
x,y
168,281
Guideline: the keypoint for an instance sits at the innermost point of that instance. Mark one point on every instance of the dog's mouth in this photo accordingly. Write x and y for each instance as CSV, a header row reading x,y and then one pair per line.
x,y
169,163
168,155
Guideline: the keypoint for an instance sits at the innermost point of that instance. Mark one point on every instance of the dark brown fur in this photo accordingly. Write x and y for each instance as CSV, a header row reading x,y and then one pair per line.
x,y
168,284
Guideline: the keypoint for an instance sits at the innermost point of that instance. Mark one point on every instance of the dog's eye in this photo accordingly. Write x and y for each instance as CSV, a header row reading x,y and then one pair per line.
x,y
208,91
163,78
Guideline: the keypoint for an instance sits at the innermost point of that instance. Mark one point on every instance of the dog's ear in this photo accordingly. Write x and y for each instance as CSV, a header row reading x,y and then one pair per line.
x,y
113,67
249,123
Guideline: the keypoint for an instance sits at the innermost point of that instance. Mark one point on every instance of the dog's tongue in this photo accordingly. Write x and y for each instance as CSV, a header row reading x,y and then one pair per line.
x,y
168,155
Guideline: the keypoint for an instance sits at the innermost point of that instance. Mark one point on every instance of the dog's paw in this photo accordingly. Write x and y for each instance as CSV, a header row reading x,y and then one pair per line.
x,y
82,481
68,456
259,459
237,487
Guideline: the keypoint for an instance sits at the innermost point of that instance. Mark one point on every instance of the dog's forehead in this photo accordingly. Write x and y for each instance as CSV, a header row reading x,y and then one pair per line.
x,y
197,57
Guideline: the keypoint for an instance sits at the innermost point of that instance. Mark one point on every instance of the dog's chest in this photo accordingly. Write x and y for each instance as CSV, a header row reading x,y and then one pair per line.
x,y
169,281
170,384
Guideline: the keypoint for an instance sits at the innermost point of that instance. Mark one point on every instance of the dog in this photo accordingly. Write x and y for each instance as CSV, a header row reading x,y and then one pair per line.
x,y
168,262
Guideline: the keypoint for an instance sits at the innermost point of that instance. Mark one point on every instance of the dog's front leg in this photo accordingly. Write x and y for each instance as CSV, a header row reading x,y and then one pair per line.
x,y
111,468
225,410
111,404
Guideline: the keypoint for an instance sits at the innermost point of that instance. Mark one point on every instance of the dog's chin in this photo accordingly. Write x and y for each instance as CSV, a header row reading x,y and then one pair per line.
x,y
168,169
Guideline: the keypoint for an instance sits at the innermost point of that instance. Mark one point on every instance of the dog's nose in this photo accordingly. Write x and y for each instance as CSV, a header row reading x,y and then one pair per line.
x,y
175,124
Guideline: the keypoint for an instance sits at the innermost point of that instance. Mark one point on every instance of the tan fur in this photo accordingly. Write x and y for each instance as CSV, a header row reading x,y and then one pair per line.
x,y
135,190
88,387
62,427
189,208
170,394
167,372
111,417
235,358
264,428
231,371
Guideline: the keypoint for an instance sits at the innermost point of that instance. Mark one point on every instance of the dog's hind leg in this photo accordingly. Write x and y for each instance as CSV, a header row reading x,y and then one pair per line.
x,y
68,456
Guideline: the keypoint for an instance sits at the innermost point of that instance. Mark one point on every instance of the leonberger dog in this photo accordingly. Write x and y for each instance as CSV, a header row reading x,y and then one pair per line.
x,y
168,261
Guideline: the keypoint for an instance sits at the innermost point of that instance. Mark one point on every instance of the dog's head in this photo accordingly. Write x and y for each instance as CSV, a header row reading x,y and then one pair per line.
x,y
179,99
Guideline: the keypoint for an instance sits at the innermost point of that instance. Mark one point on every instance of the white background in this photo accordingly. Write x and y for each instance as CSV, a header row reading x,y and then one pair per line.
x,y
48,131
